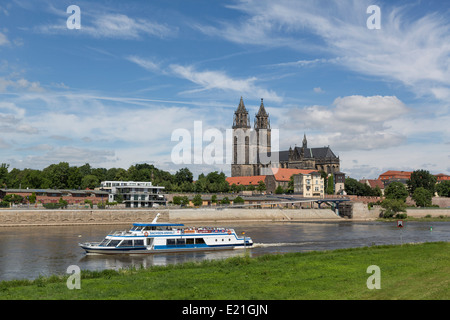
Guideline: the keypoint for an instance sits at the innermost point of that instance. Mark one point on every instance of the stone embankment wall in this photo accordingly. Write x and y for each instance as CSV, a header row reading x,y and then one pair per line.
x,y
76,217
251,215
79,217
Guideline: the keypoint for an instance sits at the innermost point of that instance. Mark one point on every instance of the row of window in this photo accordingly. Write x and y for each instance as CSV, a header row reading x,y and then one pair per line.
x,y
182,242
140,242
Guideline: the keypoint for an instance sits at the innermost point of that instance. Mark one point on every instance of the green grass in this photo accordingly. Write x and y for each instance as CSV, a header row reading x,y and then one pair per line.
x,y
411,271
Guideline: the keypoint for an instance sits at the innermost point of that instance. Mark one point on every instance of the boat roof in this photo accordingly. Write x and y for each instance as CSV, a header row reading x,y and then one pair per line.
x,y
158,224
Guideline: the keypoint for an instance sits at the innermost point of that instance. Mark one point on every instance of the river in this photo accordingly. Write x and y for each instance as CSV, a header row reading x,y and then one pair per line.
x,y
30,252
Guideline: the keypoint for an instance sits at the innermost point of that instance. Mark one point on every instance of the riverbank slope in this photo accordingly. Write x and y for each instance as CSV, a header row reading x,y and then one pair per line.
x,y
407,272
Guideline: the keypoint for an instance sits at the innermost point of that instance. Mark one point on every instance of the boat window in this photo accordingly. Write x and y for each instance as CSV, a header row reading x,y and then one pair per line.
x,y
104,242
126,243
199,240
139,242
170,242
181,242
190,241
113,243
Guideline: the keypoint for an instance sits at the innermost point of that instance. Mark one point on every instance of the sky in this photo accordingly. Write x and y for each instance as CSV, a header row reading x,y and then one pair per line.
x,y
115,89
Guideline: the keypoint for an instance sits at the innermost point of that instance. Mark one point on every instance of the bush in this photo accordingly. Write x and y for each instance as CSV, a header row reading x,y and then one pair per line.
x,y
392,207
238,200
197,201
101,205
422,197
53,205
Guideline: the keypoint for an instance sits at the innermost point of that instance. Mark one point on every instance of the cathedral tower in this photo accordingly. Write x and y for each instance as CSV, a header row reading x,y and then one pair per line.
x,y
241,165
263,137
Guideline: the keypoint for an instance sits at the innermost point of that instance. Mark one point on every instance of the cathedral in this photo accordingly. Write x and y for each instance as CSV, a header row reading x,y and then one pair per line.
x,y
252,149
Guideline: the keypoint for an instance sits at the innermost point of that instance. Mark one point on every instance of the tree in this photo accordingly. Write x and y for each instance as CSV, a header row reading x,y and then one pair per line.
x,y
330,185
392,207
90,181
422,197
396,190
238,200
63,203
279,190
261,186
443,188
3,174
57,175
225,200
197,201
353,187
183,175
421,178
32,198
13,198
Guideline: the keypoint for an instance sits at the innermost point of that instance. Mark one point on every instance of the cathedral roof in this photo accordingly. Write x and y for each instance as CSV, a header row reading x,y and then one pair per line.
x,y
316,153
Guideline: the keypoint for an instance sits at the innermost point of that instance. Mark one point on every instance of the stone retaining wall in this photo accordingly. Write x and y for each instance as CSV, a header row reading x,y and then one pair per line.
x,y
79,217
73,217
251,215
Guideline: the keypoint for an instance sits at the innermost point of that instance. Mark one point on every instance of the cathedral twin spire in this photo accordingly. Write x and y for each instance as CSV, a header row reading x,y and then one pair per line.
x,y
241,119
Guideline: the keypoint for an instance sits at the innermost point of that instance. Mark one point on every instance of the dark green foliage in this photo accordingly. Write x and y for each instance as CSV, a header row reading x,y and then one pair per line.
x,y
391,207
421,178
396,190
64,176
422,197
443,188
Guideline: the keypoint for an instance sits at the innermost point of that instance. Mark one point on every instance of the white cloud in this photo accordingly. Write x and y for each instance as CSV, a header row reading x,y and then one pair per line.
x,y
412,51
352,123
3,39
208,80
318,90
21,84
145,63
11,120
124,27
112,25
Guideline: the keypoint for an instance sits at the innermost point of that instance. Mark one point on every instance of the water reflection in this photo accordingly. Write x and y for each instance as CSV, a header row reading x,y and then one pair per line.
x,y
28,252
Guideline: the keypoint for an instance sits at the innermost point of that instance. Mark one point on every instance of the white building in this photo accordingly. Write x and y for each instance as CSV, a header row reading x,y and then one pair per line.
x,y
135,194
310,185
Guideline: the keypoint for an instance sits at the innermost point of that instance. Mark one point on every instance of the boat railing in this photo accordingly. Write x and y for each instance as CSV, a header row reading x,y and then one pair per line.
x,y
120,233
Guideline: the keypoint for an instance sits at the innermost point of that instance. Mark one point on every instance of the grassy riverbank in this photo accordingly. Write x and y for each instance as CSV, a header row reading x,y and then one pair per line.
x,y
411,271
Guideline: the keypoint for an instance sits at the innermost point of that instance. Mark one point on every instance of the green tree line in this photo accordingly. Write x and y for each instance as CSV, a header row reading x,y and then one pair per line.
x,y
64,176
421,187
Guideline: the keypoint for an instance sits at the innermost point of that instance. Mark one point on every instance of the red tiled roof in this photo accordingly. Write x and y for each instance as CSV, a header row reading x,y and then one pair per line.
x,y
246,181
441,177
285,174
373,183
395,174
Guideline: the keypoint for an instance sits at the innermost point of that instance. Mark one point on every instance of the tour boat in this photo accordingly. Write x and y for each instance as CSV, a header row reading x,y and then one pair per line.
x,y
167,237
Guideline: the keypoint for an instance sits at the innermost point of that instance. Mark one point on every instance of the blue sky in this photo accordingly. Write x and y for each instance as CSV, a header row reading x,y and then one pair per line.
x,y
112,92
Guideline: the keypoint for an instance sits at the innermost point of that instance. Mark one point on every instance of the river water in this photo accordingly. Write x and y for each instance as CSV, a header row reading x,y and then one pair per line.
x,y
30,252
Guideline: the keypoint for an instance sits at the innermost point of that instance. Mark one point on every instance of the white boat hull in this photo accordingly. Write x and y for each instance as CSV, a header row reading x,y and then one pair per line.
x,y
153,238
